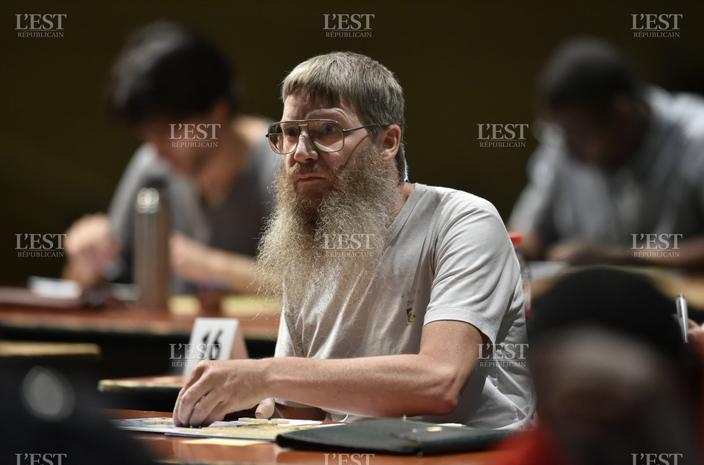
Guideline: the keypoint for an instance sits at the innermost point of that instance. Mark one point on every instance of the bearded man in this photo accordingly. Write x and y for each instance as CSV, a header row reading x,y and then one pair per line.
x,y
398,298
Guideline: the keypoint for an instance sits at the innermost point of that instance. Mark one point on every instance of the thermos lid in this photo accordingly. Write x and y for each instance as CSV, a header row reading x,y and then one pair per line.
x,y
148,200
516,238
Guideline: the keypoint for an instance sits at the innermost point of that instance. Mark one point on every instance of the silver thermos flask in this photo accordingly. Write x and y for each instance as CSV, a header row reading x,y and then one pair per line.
x,y
152,228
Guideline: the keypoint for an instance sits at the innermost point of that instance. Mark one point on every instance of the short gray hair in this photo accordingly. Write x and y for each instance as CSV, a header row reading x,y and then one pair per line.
x,y
366,84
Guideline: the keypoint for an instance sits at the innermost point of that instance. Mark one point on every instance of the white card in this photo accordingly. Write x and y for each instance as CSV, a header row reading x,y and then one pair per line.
x,y
214,339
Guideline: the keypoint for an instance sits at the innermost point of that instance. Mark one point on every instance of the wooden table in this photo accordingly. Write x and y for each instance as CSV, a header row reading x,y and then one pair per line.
x,y
133,341
128,321
183,450
146,392
47,350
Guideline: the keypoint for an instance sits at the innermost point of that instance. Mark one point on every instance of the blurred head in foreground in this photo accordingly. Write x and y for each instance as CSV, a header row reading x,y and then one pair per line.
x,y
51,417
174,89
614,380
588,90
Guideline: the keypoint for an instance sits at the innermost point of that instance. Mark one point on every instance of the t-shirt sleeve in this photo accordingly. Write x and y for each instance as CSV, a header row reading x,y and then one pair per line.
x,y
476,276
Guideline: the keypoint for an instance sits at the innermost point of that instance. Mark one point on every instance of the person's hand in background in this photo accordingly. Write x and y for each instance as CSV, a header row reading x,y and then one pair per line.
x,y
90,248
586,253
690,254
199,263
192,260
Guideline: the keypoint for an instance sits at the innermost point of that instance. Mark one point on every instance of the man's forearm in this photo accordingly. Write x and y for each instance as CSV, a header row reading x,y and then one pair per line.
x,y
428,383
391,385
689,254
533,247
237,271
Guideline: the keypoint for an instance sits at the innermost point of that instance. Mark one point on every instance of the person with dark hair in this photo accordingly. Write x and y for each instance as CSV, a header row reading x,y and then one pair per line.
x,y
619,173
175,90
614,380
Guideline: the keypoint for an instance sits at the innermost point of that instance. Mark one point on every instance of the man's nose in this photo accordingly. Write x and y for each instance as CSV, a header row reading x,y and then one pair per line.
x,y
305,150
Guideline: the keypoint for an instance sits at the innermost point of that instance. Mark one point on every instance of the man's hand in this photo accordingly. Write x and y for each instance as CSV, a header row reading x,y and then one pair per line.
x,y
90,247
216,388
585,253
266,408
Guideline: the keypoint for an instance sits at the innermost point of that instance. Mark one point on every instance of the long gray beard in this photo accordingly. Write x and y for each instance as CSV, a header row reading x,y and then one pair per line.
x,y
313,246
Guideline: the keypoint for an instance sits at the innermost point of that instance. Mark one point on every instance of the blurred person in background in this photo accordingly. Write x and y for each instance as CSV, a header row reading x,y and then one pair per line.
x,y
619,173
173,89
614,380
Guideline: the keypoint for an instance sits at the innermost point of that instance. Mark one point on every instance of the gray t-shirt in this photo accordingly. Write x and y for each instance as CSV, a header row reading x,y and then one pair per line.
x,y
661,190
234,225
448,258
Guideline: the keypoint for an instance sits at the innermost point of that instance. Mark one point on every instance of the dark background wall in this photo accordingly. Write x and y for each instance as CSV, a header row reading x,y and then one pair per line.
x,y
461,63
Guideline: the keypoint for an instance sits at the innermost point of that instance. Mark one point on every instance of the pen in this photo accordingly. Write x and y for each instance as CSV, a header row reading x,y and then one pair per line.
x,y
682,315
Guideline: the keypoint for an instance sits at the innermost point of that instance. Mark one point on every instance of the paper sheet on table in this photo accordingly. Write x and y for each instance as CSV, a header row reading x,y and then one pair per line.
x,y
226,442
240,429
545,269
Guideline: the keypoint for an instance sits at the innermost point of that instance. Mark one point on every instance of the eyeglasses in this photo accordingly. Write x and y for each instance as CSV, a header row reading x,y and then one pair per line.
x,y
325,134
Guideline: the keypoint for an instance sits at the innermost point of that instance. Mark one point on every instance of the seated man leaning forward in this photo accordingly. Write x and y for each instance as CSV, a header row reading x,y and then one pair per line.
x,y
399,298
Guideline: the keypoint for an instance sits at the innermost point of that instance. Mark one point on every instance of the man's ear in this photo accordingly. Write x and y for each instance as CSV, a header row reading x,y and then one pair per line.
x,y
390,141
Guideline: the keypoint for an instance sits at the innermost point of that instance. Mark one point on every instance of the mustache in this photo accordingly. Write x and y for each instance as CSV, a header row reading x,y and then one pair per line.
x,y
311,168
